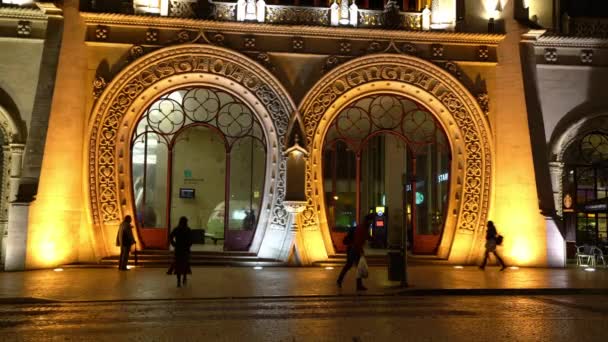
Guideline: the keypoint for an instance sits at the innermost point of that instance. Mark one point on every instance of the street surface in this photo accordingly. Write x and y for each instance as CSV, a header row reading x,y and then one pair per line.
x,y
569,318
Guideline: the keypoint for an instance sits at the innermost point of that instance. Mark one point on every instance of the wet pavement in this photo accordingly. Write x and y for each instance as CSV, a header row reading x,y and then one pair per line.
x,y
89,284
346,318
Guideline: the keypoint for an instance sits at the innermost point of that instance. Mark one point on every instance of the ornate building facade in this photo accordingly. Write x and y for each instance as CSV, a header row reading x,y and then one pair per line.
x,y
274,128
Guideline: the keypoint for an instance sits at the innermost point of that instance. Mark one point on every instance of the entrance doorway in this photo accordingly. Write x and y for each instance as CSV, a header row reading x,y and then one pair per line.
x,y
199,153
386,158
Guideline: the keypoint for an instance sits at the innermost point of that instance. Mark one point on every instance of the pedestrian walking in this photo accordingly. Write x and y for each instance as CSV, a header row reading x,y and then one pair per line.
x,y
124,240
354,241
492,241
181,240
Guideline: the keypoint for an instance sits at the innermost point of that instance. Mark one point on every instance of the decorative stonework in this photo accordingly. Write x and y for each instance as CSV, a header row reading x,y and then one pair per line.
x,y
152,36
24,28
101,32
586,56
458,110
551,55
182,8
453,69
127,95
484,102
437,50
249,43
483,53
298,43
135,52
345,47
297,15
99,85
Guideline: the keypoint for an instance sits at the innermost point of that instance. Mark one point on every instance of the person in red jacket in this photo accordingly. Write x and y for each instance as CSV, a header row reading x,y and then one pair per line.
x,y
355,241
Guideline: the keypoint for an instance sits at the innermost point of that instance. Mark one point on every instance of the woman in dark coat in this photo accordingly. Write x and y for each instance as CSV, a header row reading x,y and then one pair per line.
x,y
491,243
181,241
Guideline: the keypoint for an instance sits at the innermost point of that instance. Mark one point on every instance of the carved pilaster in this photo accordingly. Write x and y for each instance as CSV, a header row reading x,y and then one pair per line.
x,y
556,169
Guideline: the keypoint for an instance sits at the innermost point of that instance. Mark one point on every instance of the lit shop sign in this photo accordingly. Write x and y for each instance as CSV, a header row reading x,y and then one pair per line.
x,y
442,178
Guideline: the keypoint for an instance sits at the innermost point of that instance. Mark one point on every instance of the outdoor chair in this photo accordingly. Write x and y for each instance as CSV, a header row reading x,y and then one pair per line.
x,y
584,256
597,255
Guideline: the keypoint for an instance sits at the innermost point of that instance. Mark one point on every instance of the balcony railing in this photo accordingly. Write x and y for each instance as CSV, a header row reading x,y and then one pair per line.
x,y
586,27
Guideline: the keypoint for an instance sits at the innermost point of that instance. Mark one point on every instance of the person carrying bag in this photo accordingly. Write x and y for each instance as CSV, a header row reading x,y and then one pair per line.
x,y
355,241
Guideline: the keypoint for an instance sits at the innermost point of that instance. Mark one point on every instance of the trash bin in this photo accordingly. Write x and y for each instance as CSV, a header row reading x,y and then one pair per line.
x,y
395,265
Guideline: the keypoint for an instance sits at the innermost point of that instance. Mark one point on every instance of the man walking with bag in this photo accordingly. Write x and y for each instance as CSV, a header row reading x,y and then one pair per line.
x,y
355,241
125,240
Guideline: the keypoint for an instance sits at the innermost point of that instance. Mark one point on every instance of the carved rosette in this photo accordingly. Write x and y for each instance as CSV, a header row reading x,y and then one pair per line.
x,y
453,105
120,106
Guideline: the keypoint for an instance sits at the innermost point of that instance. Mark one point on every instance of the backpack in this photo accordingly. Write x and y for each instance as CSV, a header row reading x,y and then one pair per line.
x,y
499,239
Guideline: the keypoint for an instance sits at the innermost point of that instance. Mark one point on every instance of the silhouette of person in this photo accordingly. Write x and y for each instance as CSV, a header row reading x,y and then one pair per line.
x,y
354,241
124,239
491,243
181,240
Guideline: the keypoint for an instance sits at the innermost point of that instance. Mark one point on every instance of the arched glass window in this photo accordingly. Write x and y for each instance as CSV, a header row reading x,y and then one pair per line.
x,y
585,190
199,153
387,158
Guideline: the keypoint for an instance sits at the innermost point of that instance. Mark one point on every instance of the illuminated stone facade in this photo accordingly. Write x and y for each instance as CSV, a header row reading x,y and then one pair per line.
x,y
489,92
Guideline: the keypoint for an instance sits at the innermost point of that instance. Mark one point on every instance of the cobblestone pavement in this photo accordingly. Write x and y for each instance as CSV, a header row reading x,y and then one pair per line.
x,y
346,318
229,282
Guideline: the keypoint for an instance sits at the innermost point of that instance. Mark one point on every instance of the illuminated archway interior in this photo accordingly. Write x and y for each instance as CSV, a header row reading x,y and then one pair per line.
x,y
199,153
386,163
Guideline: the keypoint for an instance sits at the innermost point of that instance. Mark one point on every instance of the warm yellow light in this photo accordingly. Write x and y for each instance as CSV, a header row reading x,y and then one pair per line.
x,y
590,269
130,267
514,267
58,269
458,267
336,198
258,267
329,268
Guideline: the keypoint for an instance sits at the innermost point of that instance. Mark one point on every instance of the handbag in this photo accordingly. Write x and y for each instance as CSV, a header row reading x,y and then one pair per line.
x,y
362,269
499,239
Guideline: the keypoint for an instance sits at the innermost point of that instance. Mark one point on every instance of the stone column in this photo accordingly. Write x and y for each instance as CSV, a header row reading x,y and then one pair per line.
x,y
15,240
292,241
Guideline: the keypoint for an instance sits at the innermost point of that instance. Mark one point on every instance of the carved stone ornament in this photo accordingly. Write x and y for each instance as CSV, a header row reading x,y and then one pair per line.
x,y
484,102
135,52
249,43
587,56
345,47
264,59
437,50
483,53
101,32
297,43
446,98
151,76
24,28
99,84
152,36
374,46
183,36
551,55
453,69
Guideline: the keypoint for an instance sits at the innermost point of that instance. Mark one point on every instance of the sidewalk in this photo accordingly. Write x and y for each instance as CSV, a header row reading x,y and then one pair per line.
x,y
89,284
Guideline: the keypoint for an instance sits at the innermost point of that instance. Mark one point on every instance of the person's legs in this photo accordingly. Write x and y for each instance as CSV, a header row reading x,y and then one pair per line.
x,y
485,259
360,286
502,263
124,258
347,266
179,280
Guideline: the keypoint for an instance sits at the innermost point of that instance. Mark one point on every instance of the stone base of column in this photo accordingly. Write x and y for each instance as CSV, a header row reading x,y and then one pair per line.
x,y
16,239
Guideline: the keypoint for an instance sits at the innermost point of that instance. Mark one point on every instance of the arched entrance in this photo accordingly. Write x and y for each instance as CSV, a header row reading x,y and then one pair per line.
x,y
385,157
200,153
453,109
580,181
162,100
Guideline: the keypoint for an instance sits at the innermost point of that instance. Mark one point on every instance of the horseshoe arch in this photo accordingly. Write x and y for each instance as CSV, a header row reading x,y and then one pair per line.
x,y
454,107
134,89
